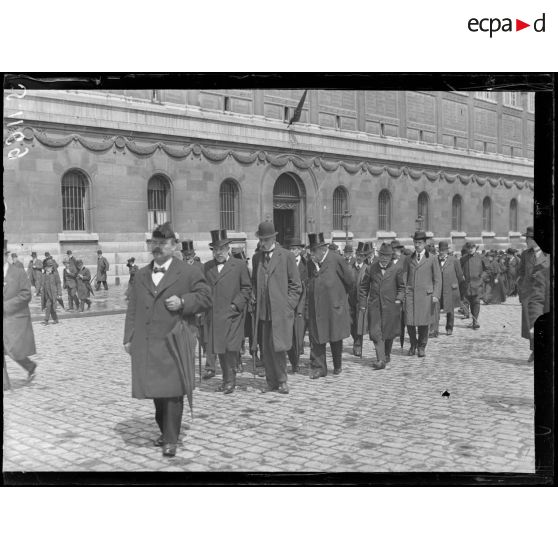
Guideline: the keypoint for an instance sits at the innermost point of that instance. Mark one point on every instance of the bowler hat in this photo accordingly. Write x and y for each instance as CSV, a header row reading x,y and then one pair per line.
x,y
266,230
294,243
6,251
33,254
131,260
529,233
219,238
469,245
348,248
368,248
315,240
187,246
443,245
99,252
396,244
510,251
419,235
68,252
163,231
386,250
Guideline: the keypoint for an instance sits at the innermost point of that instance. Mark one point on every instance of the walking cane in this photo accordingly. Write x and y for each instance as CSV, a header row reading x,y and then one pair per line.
x,y
199,361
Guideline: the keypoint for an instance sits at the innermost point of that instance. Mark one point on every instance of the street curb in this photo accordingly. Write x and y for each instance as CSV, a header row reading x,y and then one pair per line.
x,y
81,315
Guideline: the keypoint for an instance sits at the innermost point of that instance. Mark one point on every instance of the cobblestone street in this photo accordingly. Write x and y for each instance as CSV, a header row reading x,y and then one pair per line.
x,y
78,415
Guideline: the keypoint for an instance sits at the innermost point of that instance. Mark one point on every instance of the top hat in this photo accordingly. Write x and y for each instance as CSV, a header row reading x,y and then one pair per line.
x,y
294,243
443,245
386,250
266,230
187,246
396,244
348,249
68,252
368,248
529,233
163,231
33,254
315,240
6,251
419,235
219,238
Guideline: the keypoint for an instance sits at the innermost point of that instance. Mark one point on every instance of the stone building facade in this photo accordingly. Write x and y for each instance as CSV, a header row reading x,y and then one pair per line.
x,y
102,167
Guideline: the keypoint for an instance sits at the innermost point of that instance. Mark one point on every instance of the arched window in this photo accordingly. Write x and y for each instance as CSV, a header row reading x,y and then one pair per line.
x,y
158,201
384,211
456,223
75,191
229,205
423,210
340,205
487,214
513,215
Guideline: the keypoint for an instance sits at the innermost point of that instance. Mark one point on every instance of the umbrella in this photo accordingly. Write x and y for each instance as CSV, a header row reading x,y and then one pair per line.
x,y
182,345
61,302
402,332
361,323
254,347
299,334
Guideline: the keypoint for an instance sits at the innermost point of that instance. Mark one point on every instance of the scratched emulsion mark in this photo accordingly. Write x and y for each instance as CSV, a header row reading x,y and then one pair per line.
x,y
508,404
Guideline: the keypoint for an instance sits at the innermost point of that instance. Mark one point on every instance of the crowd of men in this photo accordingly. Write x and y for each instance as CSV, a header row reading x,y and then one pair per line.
x,y
288,291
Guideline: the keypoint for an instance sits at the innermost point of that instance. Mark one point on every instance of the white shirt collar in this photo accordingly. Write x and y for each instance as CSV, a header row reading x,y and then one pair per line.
x,y
166,265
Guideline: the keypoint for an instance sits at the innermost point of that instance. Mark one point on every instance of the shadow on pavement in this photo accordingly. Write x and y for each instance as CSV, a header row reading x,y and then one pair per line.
x,y
137,431
506,360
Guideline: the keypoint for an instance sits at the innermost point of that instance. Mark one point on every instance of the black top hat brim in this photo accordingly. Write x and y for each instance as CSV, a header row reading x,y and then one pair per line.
x,y
219,243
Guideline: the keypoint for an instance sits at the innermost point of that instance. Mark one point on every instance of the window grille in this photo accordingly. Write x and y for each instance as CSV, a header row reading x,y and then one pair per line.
x,y
340,204
456,213
74,195
512,99
157,201
487,214
423,210
384,211
487,96
229,206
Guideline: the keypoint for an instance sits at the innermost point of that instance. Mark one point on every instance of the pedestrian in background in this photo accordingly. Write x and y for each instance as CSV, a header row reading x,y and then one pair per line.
x,y
84,289
473,268
70,282
102,269
16,262
18,338
358,269
132,269
452,279
35,271
348,253
539,295
52,292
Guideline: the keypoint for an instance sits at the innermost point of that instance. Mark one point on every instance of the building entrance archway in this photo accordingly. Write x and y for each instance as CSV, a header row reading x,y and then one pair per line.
x,y
289,209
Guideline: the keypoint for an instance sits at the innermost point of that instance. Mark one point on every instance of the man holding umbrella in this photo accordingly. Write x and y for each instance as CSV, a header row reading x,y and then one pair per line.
x,y
230,288
165,294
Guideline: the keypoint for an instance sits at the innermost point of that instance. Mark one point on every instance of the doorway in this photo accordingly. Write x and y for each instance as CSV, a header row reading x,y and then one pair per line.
x,y
288,207
284,220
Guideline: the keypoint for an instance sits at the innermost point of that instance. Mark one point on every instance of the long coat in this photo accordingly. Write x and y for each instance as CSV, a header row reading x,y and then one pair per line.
x,y
155,373
539,297
83,279
473,267
35,272
423,281
52,289
328,303
225,326
19,341
102,268
284,290
452,277
379,292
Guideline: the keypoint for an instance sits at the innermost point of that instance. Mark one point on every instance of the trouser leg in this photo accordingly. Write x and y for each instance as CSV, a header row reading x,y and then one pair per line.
x,y
97,285
159,413
319,362
422,335
70,300
210,362
293,355
228,363
26,363
105,284
275,362
412,331
170,414
388,344
380,350
449,320
49,310
474,303
434,326
53,311
337,353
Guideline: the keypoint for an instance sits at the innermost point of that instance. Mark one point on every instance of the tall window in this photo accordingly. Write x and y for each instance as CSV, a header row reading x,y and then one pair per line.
x,y
340,204
487,214
384,211
74,201
158,201
456,223
422,210
487,96
512,99
229,205
531,102
513,215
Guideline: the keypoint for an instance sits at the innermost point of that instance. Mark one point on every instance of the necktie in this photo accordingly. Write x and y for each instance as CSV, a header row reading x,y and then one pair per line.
x,y
158,269
267,255
418,258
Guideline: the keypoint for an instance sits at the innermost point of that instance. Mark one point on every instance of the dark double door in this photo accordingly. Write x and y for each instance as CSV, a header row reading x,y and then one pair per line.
x,y
284,221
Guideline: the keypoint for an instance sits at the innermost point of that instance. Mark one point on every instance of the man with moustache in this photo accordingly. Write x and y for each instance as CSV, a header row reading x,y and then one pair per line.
x,y
163,293
329,283
358,269
276,292
230,285
423,286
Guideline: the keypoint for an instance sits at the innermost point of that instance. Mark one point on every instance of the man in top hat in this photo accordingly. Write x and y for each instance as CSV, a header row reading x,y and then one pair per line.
x,y
19,341
358,269
329,283
47,258
102,268
473,268
163,293
189,253
15,261
230,285
348,253
381,294
295,246
276,292
423,287
527,263
452,278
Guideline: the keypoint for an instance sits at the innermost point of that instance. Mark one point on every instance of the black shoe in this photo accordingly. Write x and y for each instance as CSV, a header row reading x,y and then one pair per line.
x,y
208,374
295,370
259,363
317,374
379,365
44,322
31,373
169,450
261,373
476,326
412,351
158,443
421,352
357,350
388,359
531,357
269,389
336,371
228,388
449,331
283,388
433,334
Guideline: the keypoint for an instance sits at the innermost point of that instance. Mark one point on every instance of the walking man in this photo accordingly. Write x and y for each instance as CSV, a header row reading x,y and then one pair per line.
x,y
230,285
329,283
19,341
102,268
35,271
358,269
70,283
423,286
381,294
16,262
52,292
277,288
473,268
163,293
83,279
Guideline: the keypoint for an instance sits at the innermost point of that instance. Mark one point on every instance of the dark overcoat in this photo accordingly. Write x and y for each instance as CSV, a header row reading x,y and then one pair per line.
x,y
19,341
52,289
423,281
155,373
452,277
473,268
35,272
328,299
225,326
284,289
102,268
83,279
539,297
378,293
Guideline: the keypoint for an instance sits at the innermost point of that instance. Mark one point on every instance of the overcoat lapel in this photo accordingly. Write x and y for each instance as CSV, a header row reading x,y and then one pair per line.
x,y
228,266
169,278
274,261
